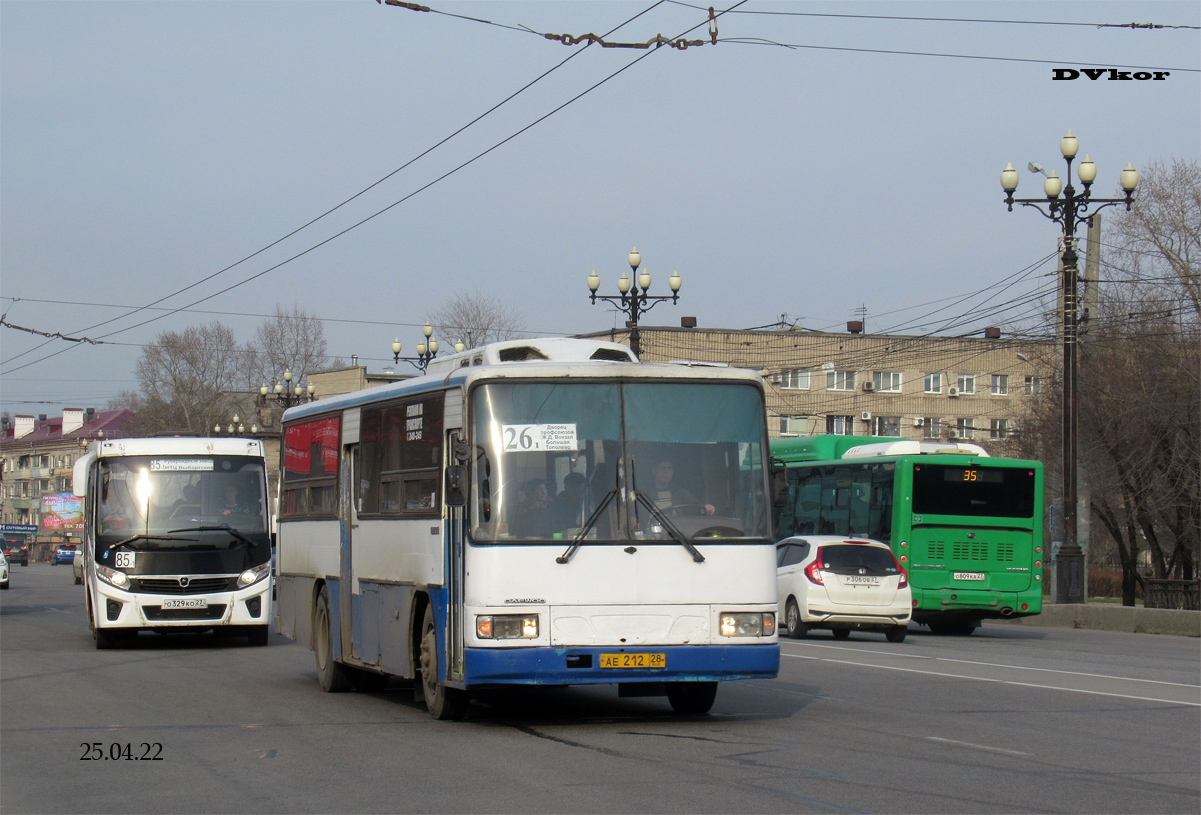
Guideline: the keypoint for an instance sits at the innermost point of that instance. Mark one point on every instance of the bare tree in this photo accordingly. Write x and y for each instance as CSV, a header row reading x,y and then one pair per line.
x,y
186,379
476,320
292,340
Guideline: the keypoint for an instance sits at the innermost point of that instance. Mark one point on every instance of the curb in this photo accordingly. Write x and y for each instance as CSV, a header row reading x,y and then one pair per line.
x,y
1107,617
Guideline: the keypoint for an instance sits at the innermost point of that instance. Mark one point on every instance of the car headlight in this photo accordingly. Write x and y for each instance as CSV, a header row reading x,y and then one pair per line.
x,y
748,624
252,576
112,577
506,626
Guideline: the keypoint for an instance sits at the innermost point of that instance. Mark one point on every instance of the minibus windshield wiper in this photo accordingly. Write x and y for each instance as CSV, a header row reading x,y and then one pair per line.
x,y
586,528
218,528
659,516
145,538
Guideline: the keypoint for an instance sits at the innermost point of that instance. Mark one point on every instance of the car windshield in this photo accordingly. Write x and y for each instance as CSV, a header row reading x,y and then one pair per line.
x,y
670,461
152,498
851,557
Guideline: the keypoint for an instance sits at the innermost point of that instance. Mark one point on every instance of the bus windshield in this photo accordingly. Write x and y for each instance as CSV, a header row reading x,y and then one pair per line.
x,y
184,501
998,492
628,461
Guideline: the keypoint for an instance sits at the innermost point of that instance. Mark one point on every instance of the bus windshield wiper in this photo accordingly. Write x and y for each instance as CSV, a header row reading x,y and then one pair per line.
x,y
669,526
586,528
146,538
218,528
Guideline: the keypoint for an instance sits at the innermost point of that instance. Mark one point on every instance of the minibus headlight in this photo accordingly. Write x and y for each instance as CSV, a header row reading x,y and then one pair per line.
x,y
748,624
113,577
506,626
252,576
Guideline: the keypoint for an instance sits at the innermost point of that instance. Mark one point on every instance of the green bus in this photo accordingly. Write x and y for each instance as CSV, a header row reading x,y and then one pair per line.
x,y
967,527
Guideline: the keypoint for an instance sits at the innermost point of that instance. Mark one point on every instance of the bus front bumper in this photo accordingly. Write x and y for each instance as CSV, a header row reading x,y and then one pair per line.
x,y
121,609
582,666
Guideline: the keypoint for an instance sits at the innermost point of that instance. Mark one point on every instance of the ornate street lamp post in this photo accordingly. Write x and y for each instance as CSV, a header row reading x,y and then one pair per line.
x,y
426,350
235,428
634,300
286,393
1069,211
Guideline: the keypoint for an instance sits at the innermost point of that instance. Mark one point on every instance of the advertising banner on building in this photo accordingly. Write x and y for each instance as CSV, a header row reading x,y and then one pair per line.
x,y
62,512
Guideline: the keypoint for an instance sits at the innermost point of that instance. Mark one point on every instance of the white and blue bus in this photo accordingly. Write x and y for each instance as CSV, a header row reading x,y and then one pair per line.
x,y
542,512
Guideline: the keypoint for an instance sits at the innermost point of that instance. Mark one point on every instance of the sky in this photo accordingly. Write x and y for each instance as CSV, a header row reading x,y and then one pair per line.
x,y
822,161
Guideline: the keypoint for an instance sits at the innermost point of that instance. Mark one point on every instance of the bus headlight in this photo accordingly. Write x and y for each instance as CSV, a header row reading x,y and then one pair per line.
x,y
252,576
748,624
506,626
112,577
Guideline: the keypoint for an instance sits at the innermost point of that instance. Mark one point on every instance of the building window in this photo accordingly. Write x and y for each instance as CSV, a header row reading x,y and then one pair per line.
x,y
887,381
998,429
793,426
840,380
933,383
965,428
1000,385
1033,385
886,426
932,428
840,425
967,383
795,379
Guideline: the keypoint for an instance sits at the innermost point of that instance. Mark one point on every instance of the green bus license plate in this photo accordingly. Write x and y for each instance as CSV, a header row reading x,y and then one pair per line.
x,y
633,660
968,576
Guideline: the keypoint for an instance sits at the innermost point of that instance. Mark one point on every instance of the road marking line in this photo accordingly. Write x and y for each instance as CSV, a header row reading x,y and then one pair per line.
x,y
978,746
1005,681
1000,665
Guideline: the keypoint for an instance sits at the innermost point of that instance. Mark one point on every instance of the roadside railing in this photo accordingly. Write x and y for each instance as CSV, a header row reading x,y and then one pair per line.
x,y
1180,594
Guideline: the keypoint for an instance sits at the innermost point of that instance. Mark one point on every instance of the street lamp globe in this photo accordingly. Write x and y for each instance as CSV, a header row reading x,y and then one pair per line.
x,y
1053,185
1087,171
1068,145
1129,178
593,281
635,258
675,282
623,283
1009,178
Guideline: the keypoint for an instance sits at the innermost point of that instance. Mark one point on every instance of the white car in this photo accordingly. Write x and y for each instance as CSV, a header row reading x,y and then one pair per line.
x,y
827,581
77,565
3,571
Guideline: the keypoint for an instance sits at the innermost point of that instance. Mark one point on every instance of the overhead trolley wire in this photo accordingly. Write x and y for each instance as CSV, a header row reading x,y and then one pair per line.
x,y
421,189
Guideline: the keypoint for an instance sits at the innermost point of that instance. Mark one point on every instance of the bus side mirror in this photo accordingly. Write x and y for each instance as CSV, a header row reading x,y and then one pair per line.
x,y
456,485
779,484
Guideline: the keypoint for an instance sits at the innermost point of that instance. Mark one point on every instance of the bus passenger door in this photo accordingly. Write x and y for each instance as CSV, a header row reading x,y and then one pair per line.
x,y
455,543
349,522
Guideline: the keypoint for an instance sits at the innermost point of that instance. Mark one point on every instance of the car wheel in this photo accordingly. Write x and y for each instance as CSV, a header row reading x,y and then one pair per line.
x,y
4,585
79,581
897,633
691,698
441,701
840,633
792,621
331,675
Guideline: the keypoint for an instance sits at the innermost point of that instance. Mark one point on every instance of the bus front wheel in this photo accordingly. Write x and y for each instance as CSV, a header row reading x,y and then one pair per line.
x,y
441,701
691,698
332,677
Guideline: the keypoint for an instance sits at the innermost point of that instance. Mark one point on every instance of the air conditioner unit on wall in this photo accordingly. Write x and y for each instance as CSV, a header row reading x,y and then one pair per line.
x,y
869,386
866,415
952,391
918,421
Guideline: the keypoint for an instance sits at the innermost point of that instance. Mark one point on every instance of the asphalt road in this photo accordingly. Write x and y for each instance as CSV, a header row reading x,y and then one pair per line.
x,y
1011,719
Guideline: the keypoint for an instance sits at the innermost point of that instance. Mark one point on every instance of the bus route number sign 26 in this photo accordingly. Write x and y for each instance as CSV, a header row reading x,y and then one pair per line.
x,y
521,438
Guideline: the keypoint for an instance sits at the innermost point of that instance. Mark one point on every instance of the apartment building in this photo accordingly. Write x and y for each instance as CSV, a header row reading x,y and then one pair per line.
x,y
36,457
915,387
